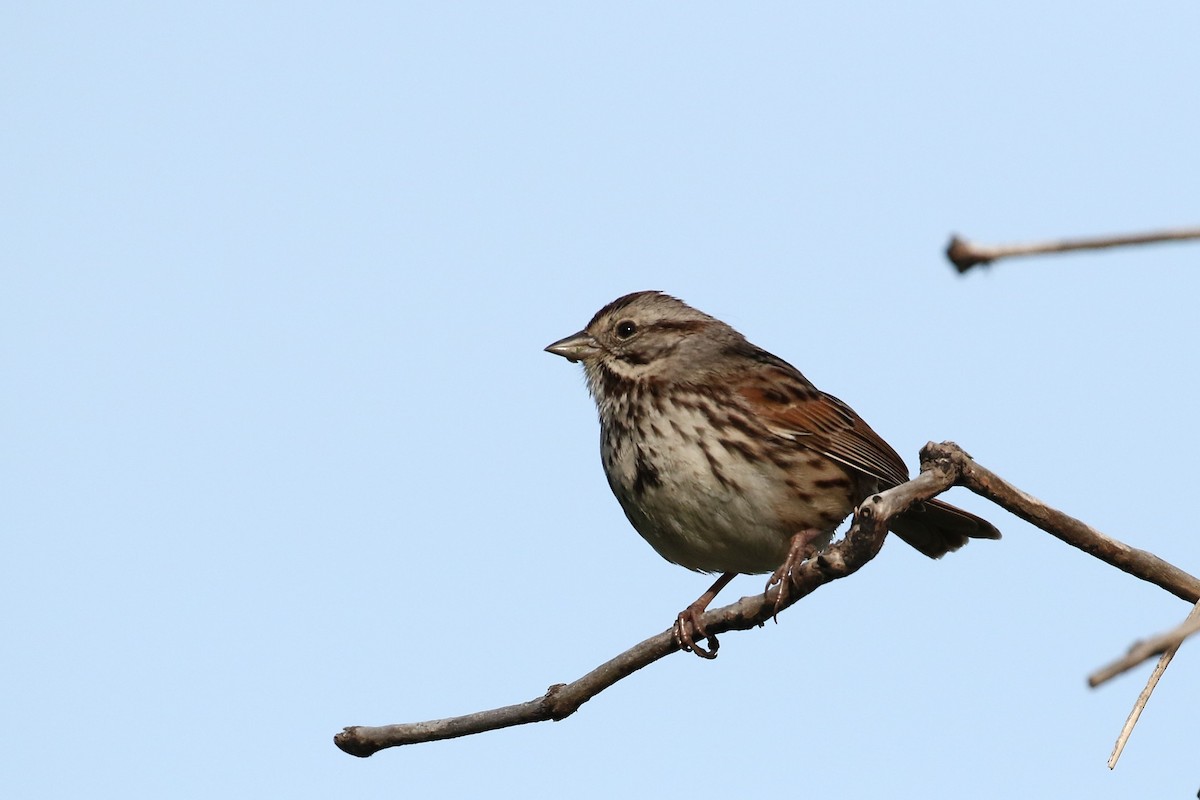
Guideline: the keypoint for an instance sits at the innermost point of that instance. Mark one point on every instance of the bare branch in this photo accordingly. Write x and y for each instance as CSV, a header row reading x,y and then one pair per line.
x,y
1144,697
1139,704
860,545
1147,649
1193,621
942,466
964,254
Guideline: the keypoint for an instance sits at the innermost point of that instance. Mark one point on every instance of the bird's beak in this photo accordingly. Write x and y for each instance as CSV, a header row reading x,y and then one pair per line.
x,y
576,347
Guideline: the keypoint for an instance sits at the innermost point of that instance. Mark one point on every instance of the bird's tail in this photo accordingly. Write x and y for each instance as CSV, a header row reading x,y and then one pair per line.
x,y
936,528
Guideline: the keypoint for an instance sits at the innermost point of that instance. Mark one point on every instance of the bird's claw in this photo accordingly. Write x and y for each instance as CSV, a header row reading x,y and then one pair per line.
x,y
781,577
688,628
801,550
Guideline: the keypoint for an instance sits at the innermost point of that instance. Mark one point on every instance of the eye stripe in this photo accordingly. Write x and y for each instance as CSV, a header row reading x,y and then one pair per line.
x,y
681,326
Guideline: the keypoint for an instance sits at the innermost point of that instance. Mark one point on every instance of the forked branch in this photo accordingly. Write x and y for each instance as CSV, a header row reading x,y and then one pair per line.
x,y
942,466
1165,645
1161,644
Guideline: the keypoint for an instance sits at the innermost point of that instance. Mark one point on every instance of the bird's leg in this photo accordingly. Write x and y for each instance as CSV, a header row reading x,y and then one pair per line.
x,y
688,626
801,549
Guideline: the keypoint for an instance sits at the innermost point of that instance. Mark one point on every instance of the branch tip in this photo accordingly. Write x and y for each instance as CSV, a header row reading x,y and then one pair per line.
x,y
965,255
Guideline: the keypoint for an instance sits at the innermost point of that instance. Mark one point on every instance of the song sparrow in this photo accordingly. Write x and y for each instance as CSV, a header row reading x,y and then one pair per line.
x,y
724,457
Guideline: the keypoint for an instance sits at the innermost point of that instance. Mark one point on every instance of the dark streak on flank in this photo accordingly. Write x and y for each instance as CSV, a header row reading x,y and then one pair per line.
x,y
741,448
801,494
715,467
742,424
615,427
779,459
645,475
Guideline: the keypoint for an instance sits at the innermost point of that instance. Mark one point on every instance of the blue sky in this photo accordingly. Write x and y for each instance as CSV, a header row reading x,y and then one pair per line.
x,y
283,452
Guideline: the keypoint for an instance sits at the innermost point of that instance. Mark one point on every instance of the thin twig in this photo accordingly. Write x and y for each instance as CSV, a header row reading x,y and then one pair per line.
x,y
1147,649
964,254
1136,713
1139,704
1167,644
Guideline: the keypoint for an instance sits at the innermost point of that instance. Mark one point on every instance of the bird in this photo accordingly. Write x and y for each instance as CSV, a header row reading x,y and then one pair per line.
x,y
725,458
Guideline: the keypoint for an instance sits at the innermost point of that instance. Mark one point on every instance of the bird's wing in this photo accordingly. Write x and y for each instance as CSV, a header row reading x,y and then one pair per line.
x,y
792,408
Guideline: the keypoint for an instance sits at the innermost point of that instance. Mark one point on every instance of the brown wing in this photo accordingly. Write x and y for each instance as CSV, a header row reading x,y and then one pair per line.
x,y
791,407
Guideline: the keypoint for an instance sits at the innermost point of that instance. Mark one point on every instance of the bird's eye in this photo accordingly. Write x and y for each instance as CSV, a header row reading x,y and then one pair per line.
x,y
626,329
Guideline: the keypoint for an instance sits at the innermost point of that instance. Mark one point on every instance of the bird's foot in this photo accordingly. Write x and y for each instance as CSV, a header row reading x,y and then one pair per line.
x,y
688,628
802,548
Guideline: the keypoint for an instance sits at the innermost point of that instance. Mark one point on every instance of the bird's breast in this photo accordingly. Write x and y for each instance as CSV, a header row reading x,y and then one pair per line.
x,y
709,488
